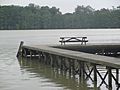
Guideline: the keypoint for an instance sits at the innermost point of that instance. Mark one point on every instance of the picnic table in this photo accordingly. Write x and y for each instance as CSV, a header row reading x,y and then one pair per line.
x,y
83,40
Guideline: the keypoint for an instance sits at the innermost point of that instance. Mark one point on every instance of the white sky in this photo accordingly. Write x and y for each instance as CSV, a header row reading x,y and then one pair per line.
x,y
65,5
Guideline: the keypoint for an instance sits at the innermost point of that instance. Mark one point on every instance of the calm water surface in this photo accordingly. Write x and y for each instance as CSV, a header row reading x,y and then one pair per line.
x,y
31,75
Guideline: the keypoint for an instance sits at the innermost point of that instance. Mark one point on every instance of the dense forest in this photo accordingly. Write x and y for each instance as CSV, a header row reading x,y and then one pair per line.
x,y
36,17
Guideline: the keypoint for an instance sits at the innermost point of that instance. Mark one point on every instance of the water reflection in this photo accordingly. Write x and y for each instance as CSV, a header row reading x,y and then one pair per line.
x,y
60,78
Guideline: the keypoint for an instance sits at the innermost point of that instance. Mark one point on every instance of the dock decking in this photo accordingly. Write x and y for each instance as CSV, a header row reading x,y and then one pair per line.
x,y
85,57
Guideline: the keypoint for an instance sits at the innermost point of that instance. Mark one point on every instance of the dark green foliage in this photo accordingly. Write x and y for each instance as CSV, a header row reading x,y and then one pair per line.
x,y
36,17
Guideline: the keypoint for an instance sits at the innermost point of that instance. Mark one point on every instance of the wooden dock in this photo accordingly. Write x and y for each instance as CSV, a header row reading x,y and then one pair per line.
x,y
77,62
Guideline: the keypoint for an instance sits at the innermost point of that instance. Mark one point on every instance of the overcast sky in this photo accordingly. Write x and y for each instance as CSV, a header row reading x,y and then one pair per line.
x,y
65,5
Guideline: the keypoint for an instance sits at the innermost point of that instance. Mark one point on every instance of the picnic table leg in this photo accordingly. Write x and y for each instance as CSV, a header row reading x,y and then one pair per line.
x,y
82,41
62,42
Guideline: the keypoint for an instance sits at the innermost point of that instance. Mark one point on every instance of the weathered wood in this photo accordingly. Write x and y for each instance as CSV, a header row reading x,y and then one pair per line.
x,y
20,48
75,62
96,59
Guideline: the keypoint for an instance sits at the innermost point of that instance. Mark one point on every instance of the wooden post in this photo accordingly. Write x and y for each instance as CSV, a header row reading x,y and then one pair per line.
x,y
20,49
117,75
110,78
82,70
39,57
61,63
51,60
45,58
24,53
30,54
79,68
69,61
48,58
95,73
56,61
73,67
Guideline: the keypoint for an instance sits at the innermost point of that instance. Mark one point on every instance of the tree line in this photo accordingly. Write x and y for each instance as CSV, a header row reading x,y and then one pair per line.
x,y
36,17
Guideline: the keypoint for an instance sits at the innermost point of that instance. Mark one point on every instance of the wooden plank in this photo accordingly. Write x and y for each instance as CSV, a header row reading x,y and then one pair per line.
x,y
96,59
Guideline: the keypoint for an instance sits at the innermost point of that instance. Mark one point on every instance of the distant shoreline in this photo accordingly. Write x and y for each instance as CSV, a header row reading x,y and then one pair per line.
x,y
37,17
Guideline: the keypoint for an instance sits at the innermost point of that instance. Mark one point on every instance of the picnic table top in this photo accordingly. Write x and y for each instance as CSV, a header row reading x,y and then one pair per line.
x,y
72,37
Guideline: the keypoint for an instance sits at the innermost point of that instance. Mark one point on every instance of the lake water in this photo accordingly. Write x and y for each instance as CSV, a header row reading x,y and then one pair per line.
x,y
31,75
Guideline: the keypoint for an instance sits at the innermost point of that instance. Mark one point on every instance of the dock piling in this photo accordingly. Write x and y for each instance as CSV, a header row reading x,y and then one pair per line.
x,y
20,49
110,78
95,73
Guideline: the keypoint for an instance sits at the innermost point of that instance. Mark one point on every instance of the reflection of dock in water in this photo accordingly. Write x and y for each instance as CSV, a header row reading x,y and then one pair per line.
x,y
84,64
61,78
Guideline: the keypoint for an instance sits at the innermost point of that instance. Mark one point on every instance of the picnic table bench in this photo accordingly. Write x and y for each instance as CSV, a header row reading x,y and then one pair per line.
x,y
83,40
